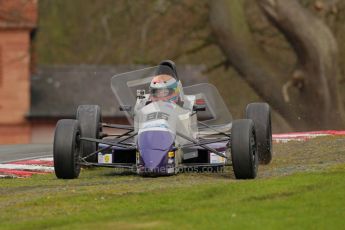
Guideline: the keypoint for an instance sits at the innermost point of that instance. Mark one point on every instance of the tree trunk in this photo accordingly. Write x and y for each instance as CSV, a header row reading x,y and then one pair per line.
x,y
312,100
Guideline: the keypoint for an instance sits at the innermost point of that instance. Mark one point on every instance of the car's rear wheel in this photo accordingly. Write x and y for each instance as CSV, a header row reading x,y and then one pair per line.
x,y
90,118
260,113
244,153
66,149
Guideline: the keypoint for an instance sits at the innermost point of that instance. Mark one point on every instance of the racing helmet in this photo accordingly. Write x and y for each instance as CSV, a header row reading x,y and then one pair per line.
x,y
165,85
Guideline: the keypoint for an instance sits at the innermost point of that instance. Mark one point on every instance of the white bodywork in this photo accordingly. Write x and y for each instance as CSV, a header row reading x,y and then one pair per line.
x,y
166,116
181,117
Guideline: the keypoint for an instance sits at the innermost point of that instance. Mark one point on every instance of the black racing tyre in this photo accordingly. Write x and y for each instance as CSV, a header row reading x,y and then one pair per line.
x,y
244,152
90,118
66,149
260,113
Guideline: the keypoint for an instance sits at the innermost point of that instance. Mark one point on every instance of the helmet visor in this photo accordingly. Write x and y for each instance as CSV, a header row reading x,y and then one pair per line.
x,y
161,93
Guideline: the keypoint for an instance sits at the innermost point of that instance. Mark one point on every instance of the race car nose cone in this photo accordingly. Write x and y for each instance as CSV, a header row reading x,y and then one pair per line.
x,y
154,159
153,147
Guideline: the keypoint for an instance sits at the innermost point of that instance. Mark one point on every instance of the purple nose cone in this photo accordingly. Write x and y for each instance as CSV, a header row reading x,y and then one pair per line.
x,y
153,147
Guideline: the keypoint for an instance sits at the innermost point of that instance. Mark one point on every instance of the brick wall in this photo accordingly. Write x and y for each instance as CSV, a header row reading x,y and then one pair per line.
x,y
18,14
17,19
15,134
1,68
14,89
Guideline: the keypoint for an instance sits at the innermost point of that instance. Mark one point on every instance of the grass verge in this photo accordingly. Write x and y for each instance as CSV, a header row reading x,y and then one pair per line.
x,y
101,198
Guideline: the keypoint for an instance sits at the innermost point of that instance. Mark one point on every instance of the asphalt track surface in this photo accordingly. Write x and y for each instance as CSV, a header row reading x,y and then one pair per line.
x,y
10,153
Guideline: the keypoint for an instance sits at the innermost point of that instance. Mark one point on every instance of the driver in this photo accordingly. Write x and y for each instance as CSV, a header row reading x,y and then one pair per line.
x,y
164,87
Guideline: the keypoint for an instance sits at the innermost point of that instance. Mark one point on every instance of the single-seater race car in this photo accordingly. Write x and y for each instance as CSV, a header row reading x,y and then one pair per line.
x,y
171,129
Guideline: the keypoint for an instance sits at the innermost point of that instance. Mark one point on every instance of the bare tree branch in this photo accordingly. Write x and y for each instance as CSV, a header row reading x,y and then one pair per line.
x,y
307,102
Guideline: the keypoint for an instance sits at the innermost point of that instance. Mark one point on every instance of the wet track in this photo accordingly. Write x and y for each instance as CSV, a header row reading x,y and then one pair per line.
x,y
10,153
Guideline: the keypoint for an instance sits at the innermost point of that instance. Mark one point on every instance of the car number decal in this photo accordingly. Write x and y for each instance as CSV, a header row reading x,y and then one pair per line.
x,y
156,116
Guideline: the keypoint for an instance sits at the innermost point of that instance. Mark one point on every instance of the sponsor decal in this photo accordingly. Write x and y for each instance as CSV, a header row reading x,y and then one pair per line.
x,y
105,158
215,159
171,154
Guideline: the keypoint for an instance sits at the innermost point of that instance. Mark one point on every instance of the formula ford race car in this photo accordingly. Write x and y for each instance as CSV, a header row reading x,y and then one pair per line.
x,y
171,129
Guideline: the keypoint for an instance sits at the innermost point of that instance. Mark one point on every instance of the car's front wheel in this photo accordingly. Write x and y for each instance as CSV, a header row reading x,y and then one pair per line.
x,y
244,152
66,149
